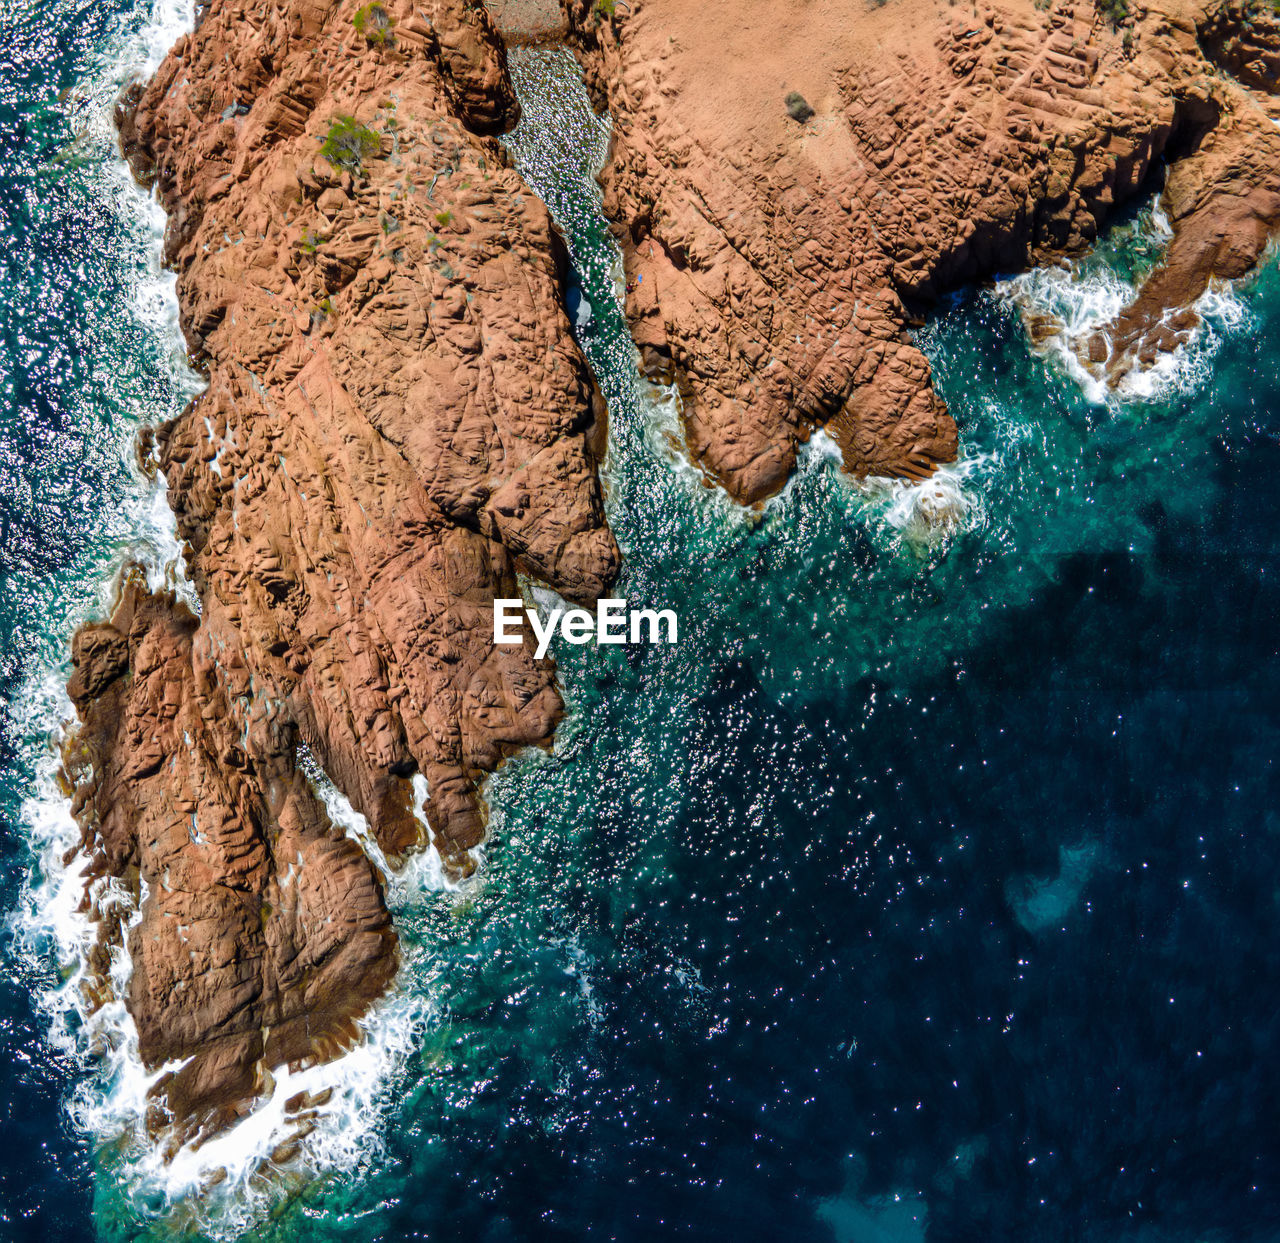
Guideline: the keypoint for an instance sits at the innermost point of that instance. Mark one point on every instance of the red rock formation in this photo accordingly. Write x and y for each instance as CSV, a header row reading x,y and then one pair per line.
x,y
262,933
1222,194
526,22
396,420
774,263
396,416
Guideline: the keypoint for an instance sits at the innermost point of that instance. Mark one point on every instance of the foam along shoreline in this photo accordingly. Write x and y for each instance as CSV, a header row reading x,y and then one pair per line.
x,y
923,514
321,1113
55,916
1068,306
927,514
775,262
333,1107
311,1121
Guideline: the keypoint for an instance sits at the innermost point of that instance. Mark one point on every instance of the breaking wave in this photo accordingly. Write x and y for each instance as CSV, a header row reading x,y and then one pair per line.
x,y
1064,305
923,515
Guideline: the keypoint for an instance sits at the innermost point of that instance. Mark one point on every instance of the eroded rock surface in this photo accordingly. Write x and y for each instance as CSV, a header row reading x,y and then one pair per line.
x,y
262,934
528,22
397,420
775,259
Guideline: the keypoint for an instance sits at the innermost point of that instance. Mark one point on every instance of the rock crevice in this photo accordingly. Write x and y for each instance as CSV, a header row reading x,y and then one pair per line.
x,y
776,258
397,421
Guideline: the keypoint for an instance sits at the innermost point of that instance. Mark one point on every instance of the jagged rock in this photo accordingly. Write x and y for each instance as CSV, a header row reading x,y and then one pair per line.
x,y
397,419
773,269
262,933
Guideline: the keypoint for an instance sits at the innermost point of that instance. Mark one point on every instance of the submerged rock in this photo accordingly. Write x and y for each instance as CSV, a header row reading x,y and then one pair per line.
x,y
579,307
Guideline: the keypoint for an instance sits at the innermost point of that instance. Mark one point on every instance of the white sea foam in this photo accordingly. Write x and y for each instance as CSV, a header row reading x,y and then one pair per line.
x,y
924,515
1071,309
422,873
54,923
920,515
238,1172
236,1175
1066,304
50,922
664,432
820,447
664,438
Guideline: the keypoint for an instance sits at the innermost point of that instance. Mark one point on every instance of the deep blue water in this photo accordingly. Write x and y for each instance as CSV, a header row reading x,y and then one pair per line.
x,y
77,373
926,890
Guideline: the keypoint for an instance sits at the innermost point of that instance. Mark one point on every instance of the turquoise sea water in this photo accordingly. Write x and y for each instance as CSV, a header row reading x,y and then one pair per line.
x,y
925,890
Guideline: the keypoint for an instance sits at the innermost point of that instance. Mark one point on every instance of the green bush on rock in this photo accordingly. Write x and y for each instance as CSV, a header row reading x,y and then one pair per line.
x,y
374,22
1115,11
348,144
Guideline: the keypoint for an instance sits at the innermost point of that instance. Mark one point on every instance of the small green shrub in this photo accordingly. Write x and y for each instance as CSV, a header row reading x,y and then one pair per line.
x,y
443,218
310,242
374,22
348,144
606,8
797,107
1115,11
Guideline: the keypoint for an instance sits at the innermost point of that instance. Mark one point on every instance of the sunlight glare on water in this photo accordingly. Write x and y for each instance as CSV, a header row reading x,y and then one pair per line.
x,y
921,891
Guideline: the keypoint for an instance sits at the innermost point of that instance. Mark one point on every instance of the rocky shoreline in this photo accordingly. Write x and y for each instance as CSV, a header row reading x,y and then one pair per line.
x,y
775,262
398,420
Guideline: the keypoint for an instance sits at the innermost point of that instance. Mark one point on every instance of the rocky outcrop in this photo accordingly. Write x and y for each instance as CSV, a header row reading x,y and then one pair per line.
x,y
397,420
524,23
776,254
397,416
262,934
1222,192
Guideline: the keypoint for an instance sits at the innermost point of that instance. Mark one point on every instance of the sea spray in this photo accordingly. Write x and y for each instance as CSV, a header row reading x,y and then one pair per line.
x,y
141,533
225,1184
56,922
1063,305
927,513
235,1179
